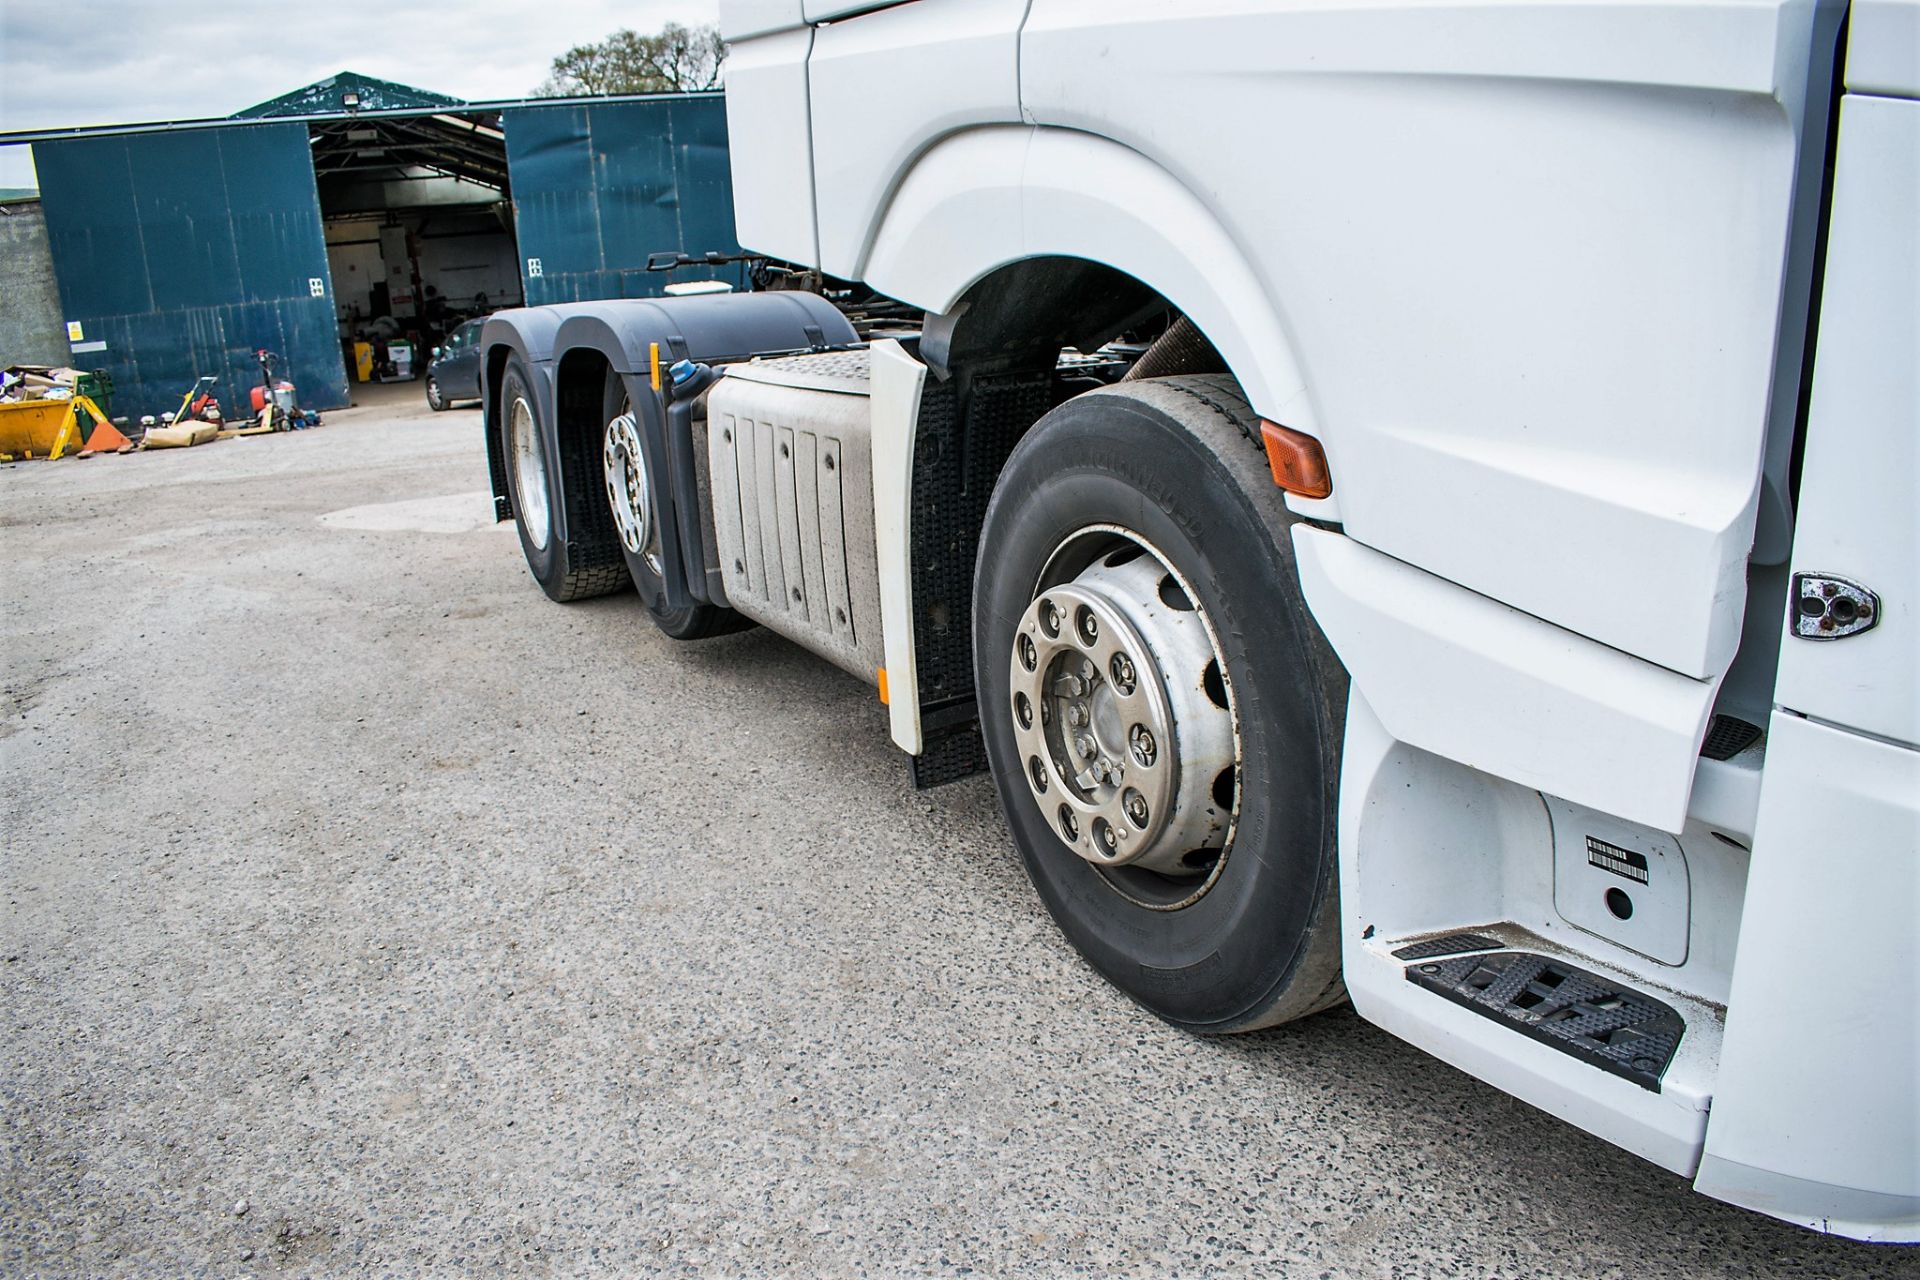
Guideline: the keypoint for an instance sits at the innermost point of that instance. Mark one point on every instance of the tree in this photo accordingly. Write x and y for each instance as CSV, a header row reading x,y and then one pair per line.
x,y
676,59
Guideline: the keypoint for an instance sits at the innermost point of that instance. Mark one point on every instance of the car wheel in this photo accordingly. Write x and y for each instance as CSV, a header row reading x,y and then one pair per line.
x,y
1162,716
435,400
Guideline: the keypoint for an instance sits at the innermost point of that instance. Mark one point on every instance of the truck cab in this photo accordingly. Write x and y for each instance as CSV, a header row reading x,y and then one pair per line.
x,y
1412,504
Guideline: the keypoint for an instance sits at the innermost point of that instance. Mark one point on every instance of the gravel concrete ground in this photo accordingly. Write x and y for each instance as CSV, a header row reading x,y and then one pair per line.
x,y
365,913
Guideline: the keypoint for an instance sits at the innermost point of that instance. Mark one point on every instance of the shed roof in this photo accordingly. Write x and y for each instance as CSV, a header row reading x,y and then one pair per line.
x,y
371,94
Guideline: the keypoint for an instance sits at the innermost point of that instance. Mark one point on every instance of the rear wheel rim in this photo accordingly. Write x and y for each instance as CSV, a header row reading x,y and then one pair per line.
x,y
630,489
1121,710
529,471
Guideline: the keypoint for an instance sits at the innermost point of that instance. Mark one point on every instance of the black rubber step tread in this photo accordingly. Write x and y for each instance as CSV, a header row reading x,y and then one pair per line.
x,y
1451,945
1727,737
1601,1022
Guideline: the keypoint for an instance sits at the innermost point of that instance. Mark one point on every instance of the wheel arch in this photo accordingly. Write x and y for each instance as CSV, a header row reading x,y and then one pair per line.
x,y
1071,195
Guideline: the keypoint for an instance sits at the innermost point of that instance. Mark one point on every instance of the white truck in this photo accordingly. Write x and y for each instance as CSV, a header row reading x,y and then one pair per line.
x,y
1413,503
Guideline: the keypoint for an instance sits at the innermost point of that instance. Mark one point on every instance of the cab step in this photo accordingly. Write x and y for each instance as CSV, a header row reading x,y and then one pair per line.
x,y
1607,1024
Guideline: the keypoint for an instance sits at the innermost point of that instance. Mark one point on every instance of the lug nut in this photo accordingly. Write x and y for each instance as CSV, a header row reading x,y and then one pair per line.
x,y
1083,744
1136,806
1123,676
1087,625
1076,714
1028,658
1140,738
1050,617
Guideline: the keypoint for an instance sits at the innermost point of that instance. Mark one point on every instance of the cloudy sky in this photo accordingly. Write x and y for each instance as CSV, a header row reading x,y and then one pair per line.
x,y
115,61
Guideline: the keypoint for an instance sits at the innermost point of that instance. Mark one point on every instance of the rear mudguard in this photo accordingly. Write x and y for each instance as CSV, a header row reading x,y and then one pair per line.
x,y
706,329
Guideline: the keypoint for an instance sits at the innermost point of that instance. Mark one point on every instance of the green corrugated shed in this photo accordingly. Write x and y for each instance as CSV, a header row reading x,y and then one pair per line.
x,y
180,254
600,185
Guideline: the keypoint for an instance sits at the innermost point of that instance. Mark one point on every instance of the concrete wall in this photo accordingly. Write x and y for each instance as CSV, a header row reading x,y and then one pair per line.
x,y
32,330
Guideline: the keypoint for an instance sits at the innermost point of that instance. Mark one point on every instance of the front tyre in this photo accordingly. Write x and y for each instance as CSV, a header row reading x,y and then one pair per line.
x,y
435,400
1161,713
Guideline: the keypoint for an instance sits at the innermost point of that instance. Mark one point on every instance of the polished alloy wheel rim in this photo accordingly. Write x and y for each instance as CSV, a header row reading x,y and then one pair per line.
x,y
629,490
529,471
1123,717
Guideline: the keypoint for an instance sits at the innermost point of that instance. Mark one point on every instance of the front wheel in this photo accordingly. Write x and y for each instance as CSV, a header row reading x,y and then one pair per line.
x,y
1161,714
435,400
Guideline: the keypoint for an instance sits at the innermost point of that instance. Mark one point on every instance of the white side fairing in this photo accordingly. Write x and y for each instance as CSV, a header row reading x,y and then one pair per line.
x,y
897,382
772,142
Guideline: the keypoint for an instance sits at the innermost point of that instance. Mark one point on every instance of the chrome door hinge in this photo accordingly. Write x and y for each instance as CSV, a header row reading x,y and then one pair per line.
x,y
1829,607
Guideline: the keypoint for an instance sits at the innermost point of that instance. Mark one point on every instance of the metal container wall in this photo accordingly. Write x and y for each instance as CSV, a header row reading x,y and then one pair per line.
x,y
597,186
184,252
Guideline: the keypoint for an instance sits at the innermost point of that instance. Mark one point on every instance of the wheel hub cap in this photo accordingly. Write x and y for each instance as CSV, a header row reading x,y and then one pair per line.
x,y
628,491
1119,711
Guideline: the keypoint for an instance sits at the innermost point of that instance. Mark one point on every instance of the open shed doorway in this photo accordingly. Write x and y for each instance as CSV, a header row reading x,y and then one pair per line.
x,y
418,216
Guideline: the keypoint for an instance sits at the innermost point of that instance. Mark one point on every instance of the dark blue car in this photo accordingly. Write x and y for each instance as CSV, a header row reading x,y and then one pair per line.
x,y
454,372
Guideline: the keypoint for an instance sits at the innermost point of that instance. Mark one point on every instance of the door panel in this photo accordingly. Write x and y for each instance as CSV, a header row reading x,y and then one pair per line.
x,y
1531,256
1862,464
887,85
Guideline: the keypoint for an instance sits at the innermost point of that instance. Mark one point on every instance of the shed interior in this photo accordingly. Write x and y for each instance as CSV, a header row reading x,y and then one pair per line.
x,y
419,225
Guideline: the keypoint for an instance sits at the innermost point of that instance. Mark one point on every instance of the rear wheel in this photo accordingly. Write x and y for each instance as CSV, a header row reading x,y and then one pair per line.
x,y
1162,716
628,471
575,569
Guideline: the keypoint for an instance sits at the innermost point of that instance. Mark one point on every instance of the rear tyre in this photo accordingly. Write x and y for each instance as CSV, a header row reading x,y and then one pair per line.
x,y
627,471
1162,716
588,565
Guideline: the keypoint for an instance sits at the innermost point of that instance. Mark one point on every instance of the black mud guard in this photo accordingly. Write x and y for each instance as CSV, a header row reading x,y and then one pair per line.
x,y
706,329
527,332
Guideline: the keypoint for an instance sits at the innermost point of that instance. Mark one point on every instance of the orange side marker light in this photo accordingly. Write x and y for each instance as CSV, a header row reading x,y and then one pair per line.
x,y
1296,460
653,363
884,700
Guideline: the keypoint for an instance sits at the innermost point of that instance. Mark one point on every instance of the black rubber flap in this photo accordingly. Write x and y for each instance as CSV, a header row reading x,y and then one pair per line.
x,y
1615,1028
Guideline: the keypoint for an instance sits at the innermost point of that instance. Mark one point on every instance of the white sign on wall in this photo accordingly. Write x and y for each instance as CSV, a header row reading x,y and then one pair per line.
x,y
316,286
533,268
74,332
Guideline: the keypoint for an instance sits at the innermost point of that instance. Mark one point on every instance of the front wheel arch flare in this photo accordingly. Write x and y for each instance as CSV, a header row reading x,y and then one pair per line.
x,y
1083,196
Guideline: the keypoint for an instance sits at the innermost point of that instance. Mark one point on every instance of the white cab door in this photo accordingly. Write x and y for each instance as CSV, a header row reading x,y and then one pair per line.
x,y
1531,255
